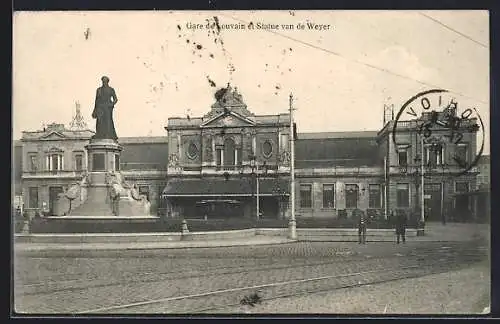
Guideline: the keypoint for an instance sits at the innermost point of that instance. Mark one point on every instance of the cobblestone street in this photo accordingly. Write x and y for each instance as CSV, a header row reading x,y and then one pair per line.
x,y
211,279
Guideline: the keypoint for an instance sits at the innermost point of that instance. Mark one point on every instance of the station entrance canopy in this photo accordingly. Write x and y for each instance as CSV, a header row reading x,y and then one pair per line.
x,y
225,188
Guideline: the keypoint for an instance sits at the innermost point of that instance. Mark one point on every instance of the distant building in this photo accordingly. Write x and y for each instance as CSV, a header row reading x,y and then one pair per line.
x,y
483,178
480,197
211,166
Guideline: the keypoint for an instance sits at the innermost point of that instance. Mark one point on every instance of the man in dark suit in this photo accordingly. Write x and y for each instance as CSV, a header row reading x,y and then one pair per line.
x,y
401,226
361,226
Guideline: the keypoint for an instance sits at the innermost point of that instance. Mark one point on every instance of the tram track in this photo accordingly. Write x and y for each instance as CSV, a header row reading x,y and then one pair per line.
x,y
85,277
58,285
196,290
230,297
38,288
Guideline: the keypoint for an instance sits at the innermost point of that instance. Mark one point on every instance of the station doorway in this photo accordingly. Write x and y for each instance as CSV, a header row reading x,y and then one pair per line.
x,y
433,201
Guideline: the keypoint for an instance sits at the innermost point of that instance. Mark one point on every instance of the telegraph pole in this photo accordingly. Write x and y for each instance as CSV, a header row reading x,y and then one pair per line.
x,y
385,188
292,224
257,193
421,226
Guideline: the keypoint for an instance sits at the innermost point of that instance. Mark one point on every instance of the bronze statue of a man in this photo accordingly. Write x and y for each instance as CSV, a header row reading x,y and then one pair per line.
x,y
105,101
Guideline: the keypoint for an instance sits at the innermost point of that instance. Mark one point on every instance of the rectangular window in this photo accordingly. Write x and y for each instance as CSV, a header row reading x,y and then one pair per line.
x,y
433,155
403,195
33,197
78,162
402,157
375,196
460,153
33,161
429,156
239,155
461,186
440,156
305,196
55,162
144,190
351,195
328,196
218,156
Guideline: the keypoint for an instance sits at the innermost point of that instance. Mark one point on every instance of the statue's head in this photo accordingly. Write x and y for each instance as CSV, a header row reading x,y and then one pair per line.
x,y
105,80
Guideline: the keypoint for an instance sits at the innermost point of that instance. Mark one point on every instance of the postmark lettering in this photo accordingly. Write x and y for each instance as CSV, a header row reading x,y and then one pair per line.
x,y
440,126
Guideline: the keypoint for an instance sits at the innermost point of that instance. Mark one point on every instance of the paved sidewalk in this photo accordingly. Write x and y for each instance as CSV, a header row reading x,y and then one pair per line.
x,y
257,240
434,232
437,232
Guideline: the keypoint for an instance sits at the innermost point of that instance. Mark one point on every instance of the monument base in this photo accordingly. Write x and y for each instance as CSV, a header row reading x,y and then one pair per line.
x,y
103,192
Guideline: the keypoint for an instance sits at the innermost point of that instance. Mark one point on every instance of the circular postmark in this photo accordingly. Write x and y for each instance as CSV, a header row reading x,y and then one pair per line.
x,y
448,132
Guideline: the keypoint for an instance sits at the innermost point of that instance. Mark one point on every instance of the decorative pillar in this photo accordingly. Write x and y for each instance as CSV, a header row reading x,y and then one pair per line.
x,y
214,153
279,141
179,145
254,144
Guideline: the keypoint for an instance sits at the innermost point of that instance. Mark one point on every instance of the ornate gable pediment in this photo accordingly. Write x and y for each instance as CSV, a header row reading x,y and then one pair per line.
x,y
228,99
53,135
228,119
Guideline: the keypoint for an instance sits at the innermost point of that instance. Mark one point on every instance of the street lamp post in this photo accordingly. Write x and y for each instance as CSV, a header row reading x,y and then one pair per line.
x,y
253,163
257,195
255,176
292,225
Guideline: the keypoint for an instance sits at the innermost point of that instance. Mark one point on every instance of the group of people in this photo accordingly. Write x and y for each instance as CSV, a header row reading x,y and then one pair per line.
x,y
24,215
400,222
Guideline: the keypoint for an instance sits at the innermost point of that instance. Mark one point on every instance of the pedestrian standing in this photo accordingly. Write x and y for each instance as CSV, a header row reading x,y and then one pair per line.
x,y
401,226
361,226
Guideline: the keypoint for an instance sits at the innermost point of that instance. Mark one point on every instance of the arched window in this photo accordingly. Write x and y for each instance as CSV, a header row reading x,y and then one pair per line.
x,y
55,159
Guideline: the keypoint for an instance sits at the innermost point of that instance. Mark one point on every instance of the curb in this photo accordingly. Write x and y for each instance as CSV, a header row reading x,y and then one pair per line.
x,y
27,250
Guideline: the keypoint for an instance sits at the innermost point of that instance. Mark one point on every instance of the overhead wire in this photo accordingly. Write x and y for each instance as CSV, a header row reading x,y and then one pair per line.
x,y
359,62
453,30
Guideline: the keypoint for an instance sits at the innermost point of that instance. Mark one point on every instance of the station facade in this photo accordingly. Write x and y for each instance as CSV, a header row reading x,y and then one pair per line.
x,y
216,165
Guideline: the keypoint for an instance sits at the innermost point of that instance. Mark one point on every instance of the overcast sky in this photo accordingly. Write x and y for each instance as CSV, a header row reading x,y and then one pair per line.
x,y
341,77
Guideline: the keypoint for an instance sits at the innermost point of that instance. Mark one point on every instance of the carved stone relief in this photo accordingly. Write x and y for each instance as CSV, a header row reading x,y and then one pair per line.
x,y
207,145
284,158
173,160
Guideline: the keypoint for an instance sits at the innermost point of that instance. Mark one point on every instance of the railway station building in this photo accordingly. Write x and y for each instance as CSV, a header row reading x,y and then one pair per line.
x,y
216,165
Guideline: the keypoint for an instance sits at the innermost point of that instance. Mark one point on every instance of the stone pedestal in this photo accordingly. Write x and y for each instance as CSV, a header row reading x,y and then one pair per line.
x,y
103,157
